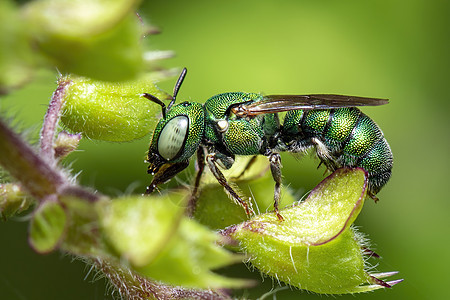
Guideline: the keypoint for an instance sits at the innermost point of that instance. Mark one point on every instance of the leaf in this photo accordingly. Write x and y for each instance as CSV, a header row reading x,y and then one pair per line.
x,y
47,227
314,248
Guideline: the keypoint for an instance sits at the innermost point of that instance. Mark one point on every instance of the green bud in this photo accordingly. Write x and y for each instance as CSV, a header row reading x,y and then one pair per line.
x,y
65,143
13,200
314,248
47,227
110,111
15,54
190,256
82,236
98,39
138,228
156,239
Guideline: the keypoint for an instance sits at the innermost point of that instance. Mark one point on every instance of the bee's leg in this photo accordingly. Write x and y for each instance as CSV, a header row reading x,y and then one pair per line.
x,y
201,168
275,168
211,160
372,195
324,155
192,203
165,173
249,164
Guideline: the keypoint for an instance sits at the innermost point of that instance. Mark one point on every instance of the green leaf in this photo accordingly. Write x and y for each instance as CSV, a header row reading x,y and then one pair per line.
x,y
16,58
97,38
156,239
110,111
47,227
314,248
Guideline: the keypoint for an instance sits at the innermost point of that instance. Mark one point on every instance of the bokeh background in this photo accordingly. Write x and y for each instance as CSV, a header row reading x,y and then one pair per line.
x,y
388,49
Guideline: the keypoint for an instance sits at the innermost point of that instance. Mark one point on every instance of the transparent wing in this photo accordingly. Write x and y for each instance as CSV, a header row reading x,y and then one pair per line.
x,y
280,103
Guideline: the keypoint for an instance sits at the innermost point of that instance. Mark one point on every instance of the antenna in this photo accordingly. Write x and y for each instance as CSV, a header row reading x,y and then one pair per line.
x,y
157,101
174,97
177,87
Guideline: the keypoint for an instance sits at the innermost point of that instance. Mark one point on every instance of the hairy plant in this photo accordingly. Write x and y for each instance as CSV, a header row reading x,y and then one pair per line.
x,y
148,247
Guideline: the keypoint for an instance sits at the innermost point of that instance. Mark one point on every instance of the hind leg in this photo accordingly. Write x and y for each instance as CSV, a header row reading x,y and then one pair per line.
x,y
325,156
275,168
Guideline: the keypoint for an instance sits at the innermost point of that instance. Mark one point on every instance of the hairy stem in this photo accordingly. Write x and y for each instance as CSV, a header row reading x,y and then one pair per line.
x,y
133,286
38,176
51,121
35,174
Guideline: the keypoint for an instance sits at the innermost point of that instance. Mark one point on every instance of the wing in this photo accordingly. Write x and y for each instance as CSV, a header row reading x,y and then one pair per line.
x,y
279,103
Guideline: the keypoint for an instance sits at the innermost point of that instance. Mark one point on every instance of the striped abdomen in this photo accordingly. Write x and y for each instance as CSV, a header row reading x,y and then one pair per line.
x,y
341,137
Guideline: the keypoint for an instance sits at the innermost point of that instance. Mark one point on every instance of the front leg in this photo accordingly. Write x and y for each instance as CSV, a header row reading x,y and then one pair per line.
x,y
192,204
165,173
275,168
211,160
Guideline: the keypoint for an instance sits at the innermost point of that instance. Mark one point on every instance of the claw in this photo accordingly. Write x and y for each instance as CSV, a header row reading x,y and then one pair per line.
x,y
280,217
150,189
375,198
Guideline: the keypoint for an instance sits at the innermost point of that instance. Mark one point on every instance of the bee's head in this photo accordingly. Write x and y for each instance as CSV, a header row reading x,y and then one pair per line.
x,y
177,135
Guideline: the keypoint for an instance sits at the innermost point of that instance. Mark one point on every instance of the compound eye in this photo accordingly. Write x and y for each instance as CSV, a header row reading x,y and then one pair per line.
x,y
172,137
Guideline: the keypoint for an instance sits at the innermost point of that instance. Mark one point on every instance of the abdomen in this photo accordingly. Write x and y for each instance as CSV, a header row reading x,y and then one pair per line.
x,y
342,137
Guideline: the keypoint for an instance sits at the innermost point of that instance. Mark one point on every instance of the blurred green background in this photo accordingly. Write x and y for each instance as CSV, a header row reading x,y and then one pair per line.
x,y
387,49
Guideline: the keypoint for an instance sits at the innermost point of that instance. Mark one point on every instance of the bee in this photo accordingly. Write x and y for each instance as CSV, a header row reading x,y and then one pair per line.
x,y
238,123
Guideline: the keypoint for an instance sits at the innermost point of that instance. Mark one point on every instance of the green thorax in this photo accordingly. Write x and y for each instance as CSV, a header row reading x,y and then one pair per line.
x,y
243,136
219,106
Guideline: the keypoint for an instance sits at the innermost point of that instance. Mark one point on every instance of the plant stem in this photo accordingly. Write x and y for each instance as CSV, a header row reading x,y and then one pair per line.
x,y
133,286
38,176
35,174
51,121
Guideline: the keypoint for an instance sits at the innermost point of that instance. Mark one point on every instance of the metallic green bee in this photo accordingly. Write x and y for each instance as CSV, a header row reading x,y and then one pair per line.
x,y
239,123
